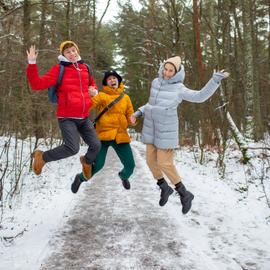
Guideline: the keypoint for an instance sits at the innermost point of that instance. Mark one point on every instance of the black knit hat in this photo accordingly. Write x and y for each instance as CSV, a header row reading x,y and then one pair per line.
x,y
109,73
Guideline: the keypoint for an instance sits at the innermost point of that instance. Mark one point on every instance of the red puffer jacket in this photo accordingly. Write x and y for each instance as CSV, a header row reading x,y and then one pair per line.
x,y
73,97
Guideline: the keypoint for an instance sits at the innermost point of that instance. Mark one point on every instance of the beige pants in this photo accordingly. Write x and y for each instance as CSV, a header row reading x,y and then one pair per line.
x,y
160,161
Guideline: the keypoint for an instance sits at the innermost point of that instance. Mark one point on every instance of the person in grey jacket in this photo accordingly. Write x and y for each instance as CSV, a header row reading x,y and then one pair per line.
x,y
160,130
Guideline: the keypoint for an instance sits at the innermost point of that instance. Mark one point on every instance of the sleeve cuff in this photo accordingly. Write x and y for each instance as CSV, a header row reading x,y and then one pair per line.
x,y
138,113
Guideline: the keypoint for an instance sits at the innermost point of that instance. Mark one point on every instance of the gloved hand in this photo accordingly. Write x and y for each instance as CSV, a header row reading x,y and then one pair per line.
x,y
219,75
137,114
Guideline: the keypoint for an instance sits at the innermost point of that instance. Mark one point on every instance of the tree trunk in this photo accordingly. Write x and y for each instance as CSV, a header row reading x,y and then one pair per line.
x,y
26,25
42,24
94,37
196,26
68,37
249,74
269,39
258,132
212,24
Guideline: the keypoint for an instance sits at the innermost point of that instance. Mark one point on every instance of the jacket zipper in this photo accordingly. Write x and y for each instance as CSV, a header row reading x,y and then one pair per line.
x,y
83,99
155,104
158,92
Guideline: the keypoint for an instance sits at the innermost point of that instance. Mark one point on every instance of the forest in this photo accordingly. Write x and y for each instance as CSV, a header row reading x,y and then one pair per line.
x,y
224,144
207,35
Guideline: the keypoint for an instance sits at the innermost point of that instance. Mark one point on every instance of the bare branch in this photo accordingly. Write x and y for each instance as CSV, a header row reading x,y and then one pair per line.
x,y
103,14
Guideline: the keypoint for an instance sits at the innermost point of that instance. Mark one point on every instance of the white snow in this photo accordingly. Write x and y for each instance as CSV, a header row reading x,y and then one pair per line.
x,y
228,227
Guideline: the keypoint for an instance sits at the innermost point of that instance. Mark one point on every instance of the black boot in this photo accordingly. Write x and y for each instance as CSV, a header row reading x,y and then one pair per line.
x,y
186,197
166,191
125,182
76,183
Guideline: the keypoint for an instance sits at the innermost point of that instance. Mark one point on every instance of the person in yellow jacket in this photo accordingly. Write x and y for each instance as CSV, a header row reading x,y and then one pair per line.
x,y
111,128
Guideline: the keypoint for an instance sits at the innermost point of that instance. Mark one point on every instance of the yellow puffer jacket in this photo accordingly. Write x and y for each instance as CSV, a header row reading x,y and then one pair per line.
x,y
113,124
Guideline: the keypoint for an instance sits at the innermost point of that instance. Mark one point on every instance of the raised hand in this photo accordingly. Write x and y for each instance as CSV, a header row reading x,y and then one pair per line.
x,y
32,54
219,75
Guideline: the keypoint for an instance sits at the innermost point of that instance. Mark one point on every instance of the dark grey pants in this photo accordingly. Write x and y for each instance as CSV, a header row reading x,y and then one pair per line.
x,y
71,130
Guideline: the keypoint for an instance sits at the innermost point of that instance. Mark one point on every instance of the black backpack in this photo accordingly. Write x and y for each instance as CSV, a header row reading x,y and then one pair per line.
x,y
52,90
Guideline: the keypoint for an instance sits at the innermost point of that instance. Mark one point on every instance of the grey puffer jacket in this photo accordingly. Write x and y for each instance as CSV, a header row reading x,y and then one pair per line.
x,y
161,122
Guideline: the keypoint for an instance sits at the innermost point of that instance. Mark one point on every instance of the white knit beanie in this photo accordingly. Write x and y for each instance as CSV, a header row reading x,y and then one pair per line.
x,y
175,61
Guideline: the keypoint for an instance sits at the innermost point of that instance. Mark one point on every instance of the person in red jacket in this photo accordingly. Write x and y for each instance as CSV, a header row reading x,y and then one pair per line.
x,y
73,106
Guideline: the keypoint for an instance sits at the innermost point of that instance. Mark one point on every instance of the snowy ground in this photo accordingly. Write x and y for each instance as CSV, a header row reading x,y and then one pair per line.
x,y
107,227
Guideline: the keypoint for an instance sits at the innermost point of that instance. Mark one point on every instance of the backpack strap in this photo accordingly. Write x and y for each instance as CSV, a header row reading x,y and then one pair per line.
x,y
108,107
52,90
90,70
60,76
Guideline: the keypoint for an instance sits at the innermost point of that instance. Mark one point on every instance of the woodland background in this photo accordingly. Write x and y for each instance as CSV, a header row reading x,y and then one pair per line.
x,y
207,34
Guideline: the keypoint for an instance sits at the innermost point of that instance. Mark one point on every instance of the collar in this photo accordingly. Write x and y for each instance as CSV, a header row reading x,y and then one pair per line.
x,y
111,91
65,62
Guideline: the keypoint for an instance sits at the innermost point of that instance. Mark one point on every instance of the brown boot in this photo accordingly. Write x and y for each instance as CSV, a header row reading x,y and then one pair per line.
x,y
38,162
86,168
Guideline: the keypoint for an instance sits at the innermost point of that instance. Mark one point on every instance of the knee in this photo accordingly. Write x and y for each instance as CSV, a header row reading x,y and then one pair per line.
x,y
74,150
161,164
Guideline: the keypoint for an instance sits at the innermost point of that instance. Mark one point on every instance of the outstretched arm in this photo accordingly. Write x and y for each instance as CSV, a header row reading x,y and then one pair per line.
x,y
207,91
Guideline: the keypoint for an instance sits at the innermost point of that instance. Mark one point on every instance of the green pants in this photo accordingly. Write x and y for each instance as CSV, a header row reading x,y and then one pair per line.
x,y
123,151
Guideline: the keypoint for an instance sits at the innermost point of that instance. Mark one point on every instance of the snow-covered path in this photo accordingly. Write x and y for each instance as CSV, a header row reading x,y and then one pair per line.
x,y
104,226
114,228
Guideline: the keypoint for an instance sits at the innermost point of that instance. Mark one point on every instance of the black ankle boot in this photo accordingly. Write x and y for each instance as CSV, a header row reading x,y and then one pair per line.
x,y
76,183
166,191
186,197
126,184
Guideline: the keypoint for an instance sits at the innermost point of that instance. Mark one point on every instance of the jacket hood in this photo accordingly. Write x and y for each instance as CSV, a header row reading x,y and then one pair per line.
x,y
111,91
178,77
63,59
